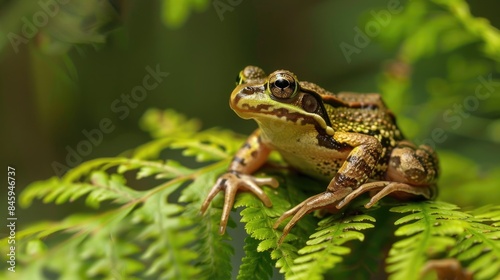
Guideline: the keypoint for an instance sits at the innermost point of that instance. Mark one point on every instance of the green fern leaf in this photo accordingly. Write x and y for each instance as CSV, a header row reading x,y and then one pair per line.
x,y
214,251
431,232
488,214
101,187
87,167
160,169
169,236
259,221
480,243
89,243
163,123
256,264
165,127
324,248
212,144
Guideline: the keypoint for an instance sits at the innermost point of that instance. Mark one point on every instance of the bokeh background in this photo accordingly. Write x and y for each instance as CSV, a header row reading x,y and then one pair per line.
x,y
66,72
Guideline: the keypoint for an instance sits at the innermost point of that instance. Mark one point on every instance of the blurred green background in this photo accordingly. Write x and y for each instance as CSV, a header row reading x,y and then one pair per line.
x,y
85,55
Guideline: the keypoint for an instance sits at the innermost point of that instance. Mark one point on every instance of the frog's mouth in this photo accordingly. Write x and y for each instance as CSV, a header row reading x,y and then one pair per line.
x,y
251,102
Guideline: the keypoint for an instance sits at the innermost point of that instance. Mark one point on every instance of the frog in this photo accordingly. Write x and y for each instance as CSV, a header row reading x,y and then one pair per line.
x,y
350,140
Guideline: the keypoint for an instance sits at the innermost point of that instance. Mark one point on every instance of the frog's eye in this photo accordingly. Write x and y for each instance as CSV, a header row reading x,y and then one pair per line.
x,y
282,85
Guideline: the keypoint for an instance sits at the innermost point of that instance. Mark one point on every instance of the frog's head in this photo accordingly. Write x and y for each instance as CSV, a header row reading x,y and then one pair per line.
x,y
278,97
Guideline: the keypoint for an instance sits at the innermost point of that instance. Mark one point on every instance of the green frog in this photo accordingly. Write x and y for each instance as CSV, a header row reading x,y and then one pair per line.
x,y
350,140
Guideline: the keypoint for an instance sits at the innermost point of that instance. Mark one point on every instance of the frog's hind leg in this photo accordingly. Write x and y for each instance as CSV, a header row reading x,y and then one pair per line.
x,y
411,172
383,188
373,186
416,166
316,202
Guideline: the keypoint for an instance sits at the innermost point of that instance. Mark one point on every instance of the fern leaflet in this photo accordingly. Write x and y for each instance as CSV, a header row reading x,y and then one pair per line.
x,y
324,248
256,264
480,243
436,227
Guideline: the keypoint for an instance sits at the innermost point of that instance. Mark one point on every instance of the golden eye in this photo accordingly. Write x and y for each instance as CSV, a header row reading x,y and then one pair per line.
x,y
282,85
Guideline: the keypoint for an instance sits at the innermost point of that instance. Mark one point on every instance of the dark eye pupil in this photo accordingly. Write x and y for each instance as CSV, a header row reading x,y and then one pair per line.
x,y
282,83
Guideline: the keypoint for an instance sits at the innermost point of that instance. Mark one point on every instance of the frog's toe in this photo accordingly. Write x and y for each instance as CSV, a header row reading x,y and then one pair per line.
x,y
318,201
273,183
288,214
230,183
230,194
383,188
255,189
219,186
253,184
373,186
297,215
402,191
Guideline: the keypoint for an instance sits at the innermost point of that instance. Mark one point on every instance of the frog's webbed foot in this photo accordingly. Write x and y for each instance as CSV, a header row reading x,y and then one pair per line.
x,y
384,188
230,183
318,201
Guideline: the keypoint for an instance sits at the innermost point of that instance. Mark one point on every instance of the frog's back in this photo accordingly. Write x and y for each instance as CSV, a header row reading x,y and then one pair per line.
x,y
376,122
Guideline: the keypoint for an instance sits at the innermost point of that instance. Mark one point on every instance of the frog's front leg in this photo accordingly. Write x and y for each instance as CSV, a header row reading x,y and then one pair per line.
x,y
356,169
411,172
251,156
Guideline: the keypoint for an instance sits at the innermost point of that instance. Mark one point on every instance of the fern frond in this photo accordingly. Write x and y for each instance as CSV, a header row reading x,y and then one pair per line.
x,y
162,123
488,214
208,145
256,264
430,230
167,234
178,242
101,187
165,127
214,251
480,243
175,131
109,255
88,243
160,169
259,221
324,248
